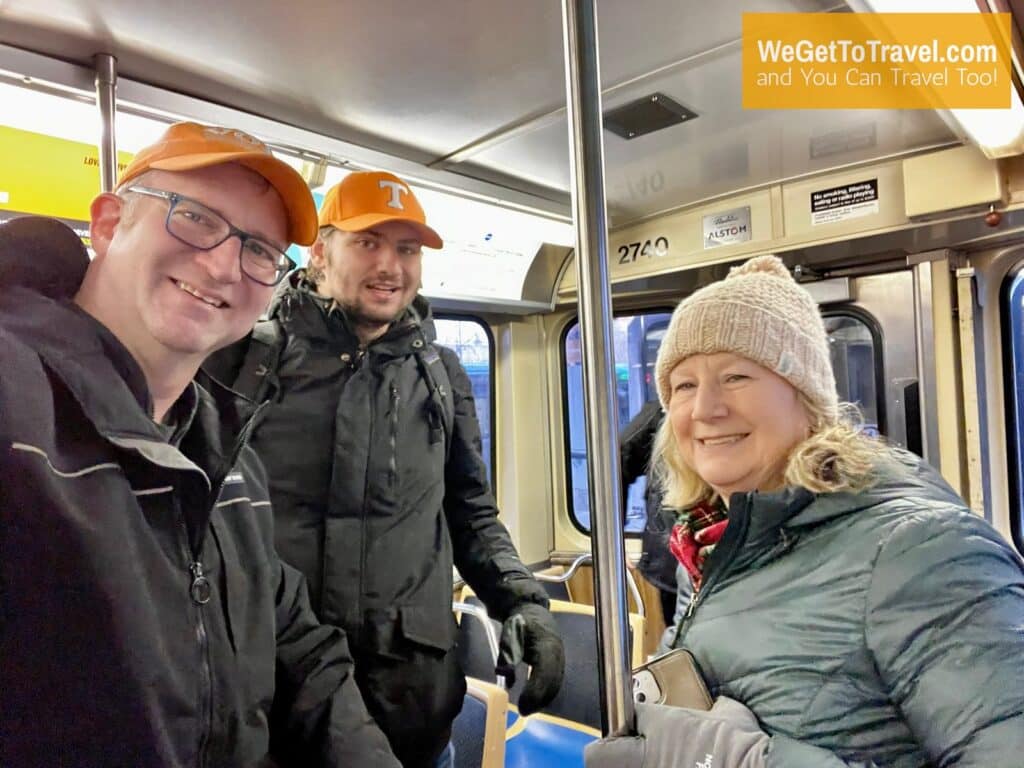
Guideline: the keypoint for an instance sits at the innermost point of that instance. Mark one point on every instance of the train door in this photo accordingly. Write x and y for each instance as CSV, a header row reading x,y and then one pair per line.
x,y
874,342
997,281
1012,315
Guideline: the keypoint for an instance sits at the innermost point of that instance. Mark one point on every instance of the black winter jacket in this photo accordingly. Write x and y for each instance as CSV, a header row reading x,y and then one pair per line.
x,y
374,504
886,627
146,619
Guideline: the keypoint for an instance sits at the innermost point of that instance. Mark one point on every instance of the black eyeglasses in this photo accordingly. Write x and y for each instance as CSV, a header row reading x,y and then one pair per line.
x,y
194,224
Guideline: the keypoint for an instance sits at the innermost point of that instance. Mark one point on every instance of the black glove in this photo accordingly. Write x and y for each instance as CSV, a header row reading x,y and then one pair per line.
x,y
530,634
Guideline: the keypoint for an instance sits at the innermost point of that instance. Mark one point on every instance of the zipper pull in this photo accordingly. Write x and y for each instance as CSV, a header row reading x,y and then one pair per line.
x,y
200,587
692,606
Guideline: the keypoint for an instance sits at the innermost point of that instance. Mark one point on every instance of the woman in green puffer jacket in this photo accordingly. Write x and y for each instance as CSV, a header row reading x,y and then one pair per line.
x,y
848,609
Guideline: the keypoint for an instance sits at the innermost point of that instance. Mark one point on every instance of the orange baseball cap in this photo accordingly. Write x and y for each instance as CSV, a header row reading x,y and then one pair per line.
x,y
188,146
365,198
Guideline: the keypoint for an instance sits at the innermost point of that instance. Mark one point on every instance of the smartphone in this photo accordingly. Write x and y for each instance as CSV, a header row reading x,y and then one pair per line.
x,y
673,679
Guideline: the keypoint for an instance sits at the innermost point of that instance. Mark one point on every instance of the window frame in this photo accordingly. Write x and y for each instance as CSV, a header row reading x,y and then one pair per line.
x,y
574,320
492,412
1012,400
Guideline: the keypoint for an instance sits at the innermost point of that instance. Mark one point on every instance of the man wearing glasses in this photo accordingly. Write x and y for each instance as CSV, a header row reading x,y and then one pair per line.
x,y
147,620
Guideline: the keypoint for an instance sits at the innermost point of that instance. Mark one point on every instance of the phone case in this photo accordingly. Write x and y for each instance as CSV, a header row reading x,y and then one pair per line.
x,y
673,679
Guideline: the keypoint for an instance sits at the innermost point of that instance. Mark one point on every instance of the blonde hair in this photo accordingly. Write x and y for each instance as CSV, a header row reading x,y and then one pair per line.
x,y
835,456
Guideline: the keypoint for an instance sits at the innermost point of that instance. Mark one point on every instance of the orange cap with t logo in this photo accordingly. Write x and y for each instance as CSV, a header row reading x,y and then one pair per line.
x,y
188,146
366,198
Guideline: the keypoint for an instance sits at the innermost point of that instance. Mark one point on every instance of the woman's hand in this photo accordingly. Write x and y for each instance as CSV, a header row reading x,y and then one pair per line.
x,y
727,736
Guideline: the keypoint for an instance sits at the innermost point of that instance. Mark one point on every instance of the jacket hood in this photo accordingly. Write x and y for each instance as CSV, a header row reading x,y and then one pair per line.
x,y
108,384
82,350
42,265
899,474
293,283
296,300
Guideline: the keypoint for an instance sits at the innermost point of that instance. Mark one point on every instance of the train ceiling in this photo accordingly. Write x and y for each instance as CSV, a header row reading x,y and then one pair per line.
x,y
477,88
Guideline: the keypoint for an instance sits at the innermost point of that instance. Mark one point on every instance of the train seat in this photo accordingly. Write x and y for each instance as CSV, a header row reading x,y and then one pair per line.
x,y
478,733
556,586
545,741
579,699
43,254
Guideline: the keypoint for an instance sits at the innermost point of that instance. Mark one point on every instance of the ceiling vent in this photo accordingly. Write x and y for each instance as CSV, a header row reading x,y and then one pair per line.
x,y
646,115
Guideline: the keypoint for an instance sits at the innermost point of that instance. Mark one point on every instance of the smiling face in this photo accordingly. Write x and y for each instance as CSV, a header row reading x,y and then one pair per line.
x,y
166,300
373,274
734,421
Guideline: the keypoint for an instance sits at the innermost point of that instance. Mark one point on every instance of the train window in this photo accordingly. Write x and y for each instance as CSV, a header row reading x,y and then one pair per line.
x,y
636,341
472,342
856,363
1013,336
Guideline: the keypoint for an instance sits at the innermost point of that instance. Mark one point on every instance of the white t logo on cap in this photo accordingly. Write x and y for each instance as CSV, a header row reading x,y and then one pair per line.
x,y
396,193
212,131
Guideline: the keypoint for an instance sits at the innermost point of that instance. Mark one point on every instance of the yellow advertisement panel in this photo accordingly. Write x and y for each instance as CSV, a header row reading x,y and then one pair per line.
x,y
876,60
47,176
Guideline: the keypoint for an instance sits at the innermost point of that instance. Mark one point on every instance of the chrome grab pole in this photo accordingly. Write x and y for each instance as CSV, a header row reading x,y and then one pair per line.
x,y
106,87
583,90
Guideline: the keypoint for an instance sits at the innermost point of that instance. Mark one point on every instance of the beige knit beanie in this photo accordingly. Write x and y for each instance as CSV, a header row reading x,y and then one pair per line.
x,y
758,311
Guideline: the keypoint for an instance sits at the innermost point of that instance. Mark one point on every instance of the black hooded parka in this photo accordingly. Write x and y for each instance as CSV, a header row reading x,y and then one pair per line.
x,y
376,495
146,618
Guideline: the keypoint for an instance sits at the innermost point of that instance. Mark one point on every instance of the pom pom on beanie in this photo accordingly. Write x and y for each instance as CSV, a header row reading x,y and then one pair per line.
x,y
758,312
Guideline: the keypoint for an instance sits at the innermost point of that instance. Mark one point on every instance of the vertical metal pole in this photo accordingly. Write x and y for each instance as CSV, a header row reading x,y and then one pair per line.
x,y
106,87
583,90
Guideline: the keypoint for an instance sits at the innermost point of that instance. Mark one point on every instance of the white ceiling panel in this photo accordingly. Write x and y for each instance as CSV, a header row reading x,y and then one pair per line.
x,y
477,87
724,149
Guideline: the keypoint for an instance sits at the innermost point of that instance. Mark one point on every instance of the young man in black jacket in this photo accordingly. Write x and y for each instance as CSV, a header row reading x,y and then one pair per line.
x,y
373,450
147,620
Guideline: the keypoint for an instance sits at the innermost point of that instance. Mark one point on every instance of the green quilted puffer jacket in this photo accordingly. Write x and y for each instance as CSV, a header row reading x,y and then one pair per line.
x,y
880,628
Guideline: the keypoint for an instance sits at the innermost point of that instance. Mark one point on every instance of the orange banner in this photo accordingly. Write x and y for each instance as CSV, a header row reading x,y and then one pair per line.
x,y
876,60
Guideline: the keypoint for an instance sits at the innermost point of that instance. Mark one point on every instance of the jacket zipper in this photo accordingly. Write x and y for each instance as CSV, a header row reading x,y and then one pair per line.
x,y
200,595
393,459
363,355
199,591
740,518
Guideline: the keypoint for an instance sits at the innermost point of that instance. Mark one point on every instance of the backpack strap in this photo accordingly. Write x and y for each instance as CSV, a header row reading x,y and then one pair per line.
x,y
257,376
441,406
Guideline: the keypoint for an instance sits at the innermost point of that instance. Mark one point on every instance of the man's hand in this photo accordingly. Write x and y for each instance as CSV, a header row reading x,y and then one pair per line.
x,y
530,635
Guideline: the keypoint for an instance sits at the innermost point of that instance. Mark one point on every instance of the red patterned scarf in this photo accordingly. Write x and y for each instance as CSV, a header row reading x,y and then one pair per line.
x,y
695,536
